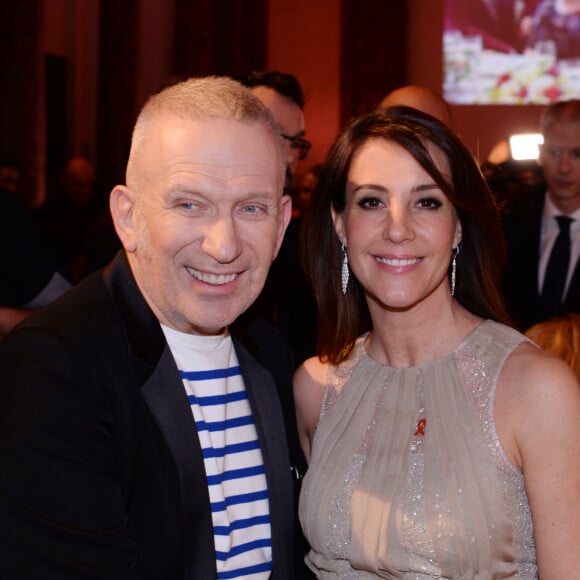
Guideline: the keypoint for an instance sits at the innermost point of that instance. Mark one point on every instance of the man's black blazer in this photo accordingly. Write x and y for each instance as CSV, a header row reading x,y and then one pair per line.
x,y
520,277
101,471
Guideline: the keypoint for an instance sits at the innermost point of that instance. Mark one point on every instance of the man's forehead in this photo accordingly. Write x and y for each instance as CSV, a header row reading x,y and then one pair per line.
x,y
563,129
173,142
173,129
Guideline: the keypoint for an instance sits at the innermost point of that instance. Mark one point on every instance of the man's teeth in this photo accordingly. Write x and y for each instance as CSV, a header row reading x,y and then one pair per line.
x,y
217,279
398,263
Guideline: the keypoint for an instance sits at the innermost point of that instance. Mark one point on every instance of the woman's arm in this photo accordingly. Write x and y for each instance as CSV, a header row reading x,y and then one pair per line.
x,y
309,385
539,409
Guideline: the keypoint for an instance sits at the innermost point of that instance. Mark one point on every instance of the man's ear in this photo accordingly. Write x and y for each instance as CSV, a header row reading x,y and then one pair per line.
x,y
286,215
122,205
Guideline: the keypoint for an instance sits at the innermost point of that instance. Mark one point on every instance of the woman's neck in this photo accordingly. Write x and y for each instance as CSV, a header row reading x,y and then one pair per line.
x,y
414,338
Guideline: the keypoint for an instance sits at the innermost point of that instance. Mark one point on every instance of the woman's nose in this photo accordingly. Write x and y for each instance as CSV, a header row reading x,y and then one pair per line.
x,y
397,223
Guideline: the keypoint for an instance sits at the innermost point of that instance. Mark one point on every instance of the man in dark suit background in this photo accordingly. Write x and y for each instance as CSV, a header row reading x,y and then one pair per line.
x,y
115,462
544,234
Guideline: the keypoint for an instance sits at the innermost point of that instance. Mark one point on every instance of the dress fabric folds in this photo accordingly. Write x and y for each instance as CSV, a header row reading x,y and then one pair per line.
x,y
408,478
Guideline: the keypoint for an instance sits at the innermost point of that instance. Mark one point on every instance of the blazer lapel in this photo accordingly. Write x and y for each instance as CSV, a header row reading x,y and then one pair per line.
x,y
269,422
167,401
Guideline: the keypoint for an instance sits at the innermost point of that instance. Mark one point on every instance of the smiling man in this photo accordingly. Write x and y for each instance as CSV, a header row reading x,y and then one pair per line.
x,y
139,437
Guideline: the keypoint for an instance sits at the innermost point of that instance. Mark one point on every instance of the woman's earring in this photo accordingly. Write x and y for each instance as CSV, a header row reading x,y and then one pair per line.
x,y
345,273
455,251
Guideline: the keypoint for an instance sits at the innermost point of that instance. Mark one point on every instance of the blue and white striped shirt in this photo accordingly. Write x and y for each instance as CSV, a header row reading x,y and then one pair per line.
x,y
233,461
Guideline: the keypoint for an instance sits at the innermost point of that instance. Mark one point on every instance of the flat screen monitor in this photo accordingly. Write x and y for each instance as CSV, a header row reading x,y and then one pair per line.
x,y
511,51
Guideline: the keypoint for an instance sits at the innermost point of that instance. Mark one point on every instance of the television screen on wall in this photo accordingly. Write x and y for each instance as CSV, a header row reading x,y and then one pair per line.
x,y
511,51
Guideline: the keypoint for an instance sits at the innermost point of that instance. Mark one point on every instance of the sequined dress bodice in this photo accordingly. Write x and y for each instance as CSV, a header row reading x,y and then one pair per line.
x,y
408,478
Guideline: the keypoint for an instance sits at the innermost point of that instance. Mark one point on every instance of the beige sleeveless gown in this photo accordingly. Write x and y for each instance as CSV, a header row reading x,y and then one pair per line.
x,y
408,478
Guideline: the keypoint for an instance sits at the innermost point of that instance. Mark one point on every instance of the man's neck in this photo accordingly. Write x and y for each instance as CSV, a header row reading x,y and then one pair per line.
x,y
565,206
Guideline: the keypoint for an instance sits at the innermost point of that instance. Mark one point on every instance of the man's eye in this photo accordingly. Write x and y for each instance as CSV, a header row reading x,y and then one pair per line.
x,y
253,210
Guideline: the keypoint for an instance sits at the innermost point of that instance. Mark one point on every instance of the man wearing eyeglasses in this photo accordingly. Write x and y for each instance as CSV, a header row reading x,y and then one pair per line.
x,y
282,94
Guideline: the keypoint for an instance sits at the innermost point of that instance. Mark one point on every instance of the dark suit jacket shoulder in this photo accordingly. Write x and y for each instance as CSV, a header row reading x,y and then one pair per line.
x,y
523,229
103,475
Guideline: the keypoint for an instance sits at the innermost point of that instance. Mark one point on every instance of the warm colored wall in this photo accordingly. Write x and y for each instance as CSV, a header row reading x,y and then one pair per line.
x,y
479,126
21,114
304,39
156,21
71,30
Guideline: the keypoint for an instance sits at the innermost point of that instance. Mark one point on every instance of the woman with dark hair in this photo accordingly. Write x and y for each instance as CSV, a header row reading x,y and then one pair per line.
x,y
441,442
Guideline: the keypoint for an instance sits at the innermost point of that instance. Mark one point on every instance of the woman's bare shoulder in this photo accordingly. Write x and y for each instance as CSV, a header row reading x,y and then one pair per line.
x,y
312,372
529,371
539,415
309,385
538,396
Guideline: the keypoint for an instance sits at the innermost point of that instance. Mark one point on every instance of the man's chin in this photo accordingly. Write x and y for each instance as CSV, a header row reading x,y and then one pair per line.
x,y
213,316
214,326
206,327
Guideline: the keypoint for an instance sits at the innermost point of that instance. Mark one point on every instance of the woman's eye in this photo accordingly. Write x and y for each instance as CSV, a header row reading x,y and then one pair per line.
x,y
369,203
429,203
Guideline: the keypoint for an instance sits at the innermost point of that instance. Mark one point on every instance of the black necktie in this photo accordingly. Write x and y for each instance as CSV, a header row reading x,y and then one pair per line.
x,y
557,269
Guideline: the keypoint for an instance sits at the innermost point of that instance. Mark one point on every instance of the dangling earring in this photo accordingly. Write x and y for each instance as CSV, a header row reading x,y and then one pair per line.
x,y
345,273
455,251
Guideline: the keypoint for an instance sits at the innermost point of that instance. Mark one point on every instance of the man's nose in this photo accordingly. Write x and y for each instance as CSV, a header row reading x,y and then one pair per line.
x,y
221,240
564,164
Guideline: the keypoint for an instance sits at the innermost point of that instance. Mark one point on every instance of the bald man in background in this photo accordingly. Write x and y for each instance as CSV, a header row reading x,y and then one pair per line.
x,y
420,98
